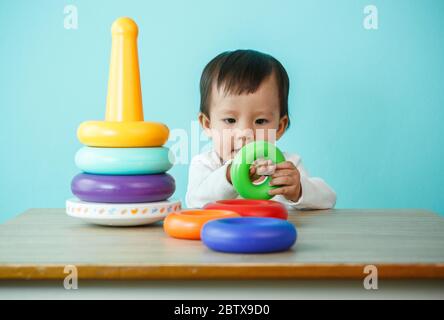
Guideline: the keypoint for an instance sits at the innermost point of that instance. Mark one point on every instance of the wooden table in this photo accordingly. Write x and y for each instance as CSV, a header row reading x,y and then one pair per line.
x,y
333,248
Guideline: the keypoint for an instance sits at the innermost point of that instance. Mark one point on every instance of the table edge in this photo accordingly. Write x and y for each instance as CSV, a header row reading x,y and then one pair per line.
x,y
236,271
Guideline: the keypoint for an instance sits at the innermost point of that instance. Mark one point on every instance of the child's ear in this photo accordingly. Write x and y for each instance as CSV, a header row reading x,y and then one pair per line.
x,y
283,124
205,123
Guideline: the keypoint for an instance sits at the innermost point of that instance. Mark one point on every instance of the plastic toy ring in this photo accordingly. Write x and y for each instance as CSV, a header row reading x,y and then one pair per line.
x,y
123,189
124,161
187,224
249,235
122,134
252,208
240,169
121,214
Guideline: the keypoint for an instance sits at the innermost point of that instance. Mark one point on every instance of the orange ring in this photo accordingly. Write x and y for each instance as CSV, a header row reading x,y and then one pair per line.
x,y
186,224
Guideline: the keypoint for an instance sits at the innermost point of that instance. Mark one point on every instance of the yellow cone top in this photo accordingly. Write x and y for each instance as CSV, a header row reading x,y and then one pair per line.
x,y
124,126
124,100
125,26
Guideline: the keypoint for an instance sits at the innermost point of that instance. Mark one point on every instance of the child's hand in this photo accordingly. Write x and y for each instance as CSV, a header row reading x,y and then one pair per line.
x,y
287,176
261,168
264,167
258,170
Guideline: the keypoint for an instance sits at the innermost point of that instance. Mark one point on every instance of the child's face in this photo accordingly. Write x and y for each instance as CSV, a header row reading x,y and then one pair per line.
x,y
236,120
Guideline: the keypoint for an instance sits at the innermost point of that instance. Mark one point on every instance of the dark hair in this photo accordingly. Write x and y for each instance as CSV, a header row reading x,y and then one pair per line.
x,y
242,71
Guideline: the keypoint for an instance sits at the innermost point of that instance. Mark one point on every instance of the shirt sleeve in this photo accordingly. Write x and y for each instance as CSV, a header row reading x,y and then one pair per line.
x,y
316,193
206,184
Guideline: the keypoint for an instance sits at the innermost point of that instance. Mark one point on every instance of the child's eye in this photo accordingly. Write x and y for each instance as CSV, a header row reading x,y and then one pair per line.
x,y
230,120
261,121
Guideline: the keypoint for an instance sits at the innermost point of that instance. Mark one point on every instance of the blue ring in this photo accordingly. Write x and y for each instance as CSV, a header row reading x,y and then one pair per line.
x,y
249,235
124,161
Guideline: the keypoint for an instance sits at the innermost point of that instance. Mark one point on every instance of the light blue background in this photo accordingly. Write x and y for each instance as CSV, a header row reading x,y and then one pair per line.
x,y
367,107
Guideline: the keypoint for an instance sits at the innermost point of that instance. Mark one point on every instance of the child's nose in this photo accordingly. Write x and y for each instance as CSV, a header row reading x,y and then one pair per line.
x,y
245,136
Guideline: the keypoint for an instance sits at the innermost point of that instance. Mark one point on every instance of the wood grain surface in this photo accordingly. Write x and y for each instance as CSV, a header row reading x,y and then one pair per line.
x,y
332,244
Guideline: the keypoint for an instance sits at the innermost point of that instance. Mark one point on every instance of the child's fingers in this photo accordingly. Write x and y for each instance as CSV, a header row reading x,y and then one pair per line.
x,y
266,170
260,170
285,165
283,181
261,162
283,172
282,191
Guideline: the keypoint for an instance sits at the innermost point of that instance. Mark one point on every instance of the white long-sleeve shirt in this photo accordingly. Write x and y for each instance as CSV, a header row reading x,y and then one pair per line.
x,y
207,182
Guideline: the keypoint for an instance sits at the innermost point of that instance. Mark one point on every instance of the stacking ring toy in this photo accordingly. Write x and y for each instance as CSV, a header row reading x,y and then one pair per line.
x,y
122,134
249,235
187,224
251,208
121,214
124,161
240,169
124,124
123,189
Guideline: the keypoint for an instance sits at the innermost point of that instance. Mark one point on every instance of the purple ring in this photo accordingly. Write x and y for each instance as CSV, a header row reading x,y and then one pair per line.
x,y
123,188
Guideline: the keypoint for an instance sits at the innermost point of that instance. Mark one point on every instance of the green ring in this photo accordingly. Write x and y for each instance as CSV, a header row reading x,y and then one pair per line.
x,y
240,169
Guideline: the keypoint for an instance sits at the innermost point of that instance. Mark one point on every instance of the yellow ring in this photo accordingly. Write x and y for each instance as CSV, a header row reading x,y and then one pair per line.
x,y
123,134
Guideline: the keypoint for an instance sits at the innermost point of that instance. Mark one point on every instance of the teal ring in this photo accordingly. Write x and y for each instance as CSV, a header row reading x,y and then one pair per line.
x,y
124,161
